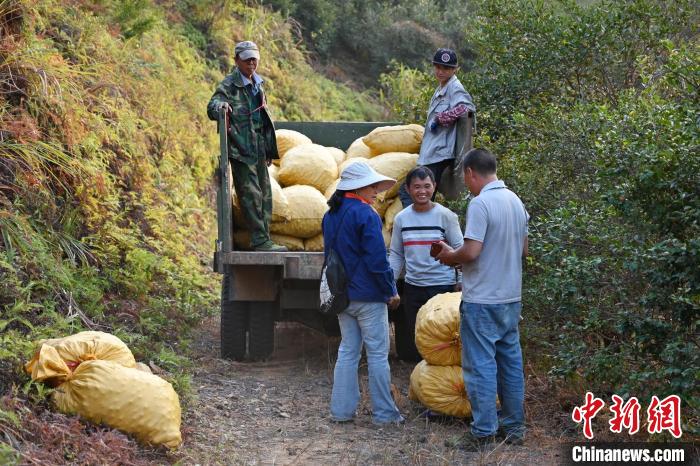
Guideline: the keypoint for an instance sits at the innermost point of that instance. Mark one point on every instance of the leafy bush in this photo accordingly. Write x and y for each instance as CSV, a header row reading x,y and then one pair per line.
x,y
106,162
593,114
364,37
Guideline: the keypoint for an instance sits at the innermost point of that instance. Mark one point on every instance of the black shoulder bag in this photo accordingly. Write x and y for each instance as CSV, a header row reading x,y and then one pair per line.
x,y
334,281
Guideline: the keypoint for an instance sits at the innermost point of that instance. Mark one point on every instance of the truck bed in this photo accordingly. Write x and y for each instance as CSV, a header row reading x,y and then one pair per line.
x,y
299,265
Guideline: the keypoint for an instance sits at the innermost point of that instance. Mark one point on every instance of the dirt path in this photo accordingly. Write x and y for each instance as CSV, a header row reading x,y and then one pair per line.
x,y
276,412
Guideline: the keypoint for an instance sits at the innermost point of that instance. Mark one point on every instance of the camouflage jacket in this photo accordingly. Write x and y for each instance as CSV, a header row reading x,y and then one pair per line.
x,y
243,141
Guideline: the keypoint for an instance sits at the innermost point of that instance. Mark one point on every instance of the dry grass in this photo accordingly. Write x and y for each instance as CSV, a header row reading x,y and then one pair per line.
x,y
276,412
42,437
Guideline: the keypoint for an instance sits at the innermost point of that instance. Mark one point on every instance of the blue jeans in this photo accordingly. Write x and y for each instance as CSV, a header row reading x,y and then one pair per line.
x,y
368,323
492,364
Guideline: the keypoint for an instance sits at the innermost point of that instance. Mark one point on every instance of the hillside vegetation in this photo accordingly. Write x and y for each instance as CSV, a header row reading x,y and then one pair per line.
x,y
106,163
593,113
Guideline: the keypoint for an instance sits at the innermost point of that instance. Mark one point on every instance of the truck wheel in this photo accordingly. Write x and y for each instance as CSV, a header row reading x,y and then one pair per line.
x,y
234,323
261,318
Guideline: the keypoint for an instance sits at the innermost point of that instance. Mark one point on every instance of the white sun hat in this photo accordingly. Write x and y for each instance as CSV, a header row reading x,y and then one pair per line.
x,y
358,175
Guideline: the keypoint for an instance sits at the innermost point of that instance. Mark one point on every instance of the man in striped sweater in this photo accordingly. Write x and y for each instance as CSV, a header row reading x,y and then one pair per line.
x,y
416,228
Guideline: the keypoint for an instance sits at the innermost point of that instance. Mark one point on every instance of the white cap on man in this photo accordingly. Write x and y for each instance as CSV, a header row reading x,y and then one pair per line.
x,y
246,50
358,175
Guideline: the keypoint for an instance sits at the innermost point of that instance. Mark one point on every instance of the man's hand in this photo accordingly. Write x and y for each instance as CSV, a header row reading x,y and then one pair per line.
x,y
394,302
433,124
225,106
446,254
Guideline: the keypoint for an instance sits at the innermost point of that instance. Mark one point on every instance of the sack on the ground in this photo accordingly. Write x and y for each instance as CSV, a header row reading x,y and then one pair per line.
x,y
106,392
401,138
314,244
440,388
437,330
358,149
87,346
287,139
307,206
308,164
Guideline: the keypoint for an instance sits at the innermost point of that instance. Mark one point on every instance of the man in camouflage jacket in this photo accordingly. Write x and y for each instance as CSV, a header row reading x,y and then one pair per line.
x,y
252,144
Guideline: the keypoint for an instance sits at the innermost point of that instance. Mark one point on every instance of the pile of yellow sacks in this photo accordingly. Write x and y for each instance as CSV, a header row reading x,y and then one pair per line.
x,y
96,377
306,176
437,381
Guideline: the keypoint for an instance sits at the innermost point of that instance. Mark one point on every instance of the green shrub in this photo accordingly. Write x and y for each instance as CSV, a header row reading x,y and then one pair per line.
x,y
593,114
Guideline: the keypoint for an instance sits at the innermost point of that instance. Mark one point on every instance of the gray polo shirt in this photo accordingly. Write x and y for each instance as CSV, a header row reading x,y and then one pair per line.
x,y
498,219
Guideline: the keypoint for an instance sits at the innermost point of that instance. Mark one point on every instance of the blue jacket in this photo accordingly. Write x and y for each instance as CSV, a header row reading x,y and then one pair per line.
x,y
360,245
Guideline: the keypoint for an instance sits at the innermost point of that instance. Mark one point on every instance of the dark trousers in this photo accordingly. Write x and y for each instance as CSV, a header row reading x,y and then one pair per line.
x,y
412,300
254,192
437,169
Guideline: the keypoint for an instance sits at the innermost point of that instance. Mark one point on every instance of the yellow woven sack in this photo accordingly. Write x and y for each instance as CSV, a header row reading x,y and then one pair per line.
x,y
331,189
437,330
86,346
241,240
338,154
401,138
308,164
358,149
386,235
314,244
106,392
381,205
394,208
287,139
273,171
395,165
307,206
280,205
440,388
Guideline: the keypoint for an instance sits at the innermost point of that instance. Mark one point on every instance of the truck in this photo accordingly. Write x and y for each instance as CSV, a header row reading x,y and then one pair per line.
x,y
259,289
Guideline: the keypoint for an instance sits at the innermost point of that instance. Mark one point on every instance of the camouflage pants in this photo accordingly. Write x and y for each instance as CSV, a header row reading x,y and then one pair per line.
x,y
252,185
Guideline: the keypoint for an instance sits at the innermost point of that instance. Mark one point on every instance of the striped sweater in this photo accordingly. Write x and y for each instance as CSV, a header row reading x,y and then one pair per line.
x,y
412,236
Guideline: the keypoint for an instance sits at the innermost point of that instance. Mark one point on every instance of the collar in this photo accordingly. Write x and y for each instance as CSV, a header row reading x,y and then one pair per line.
x,y
496,184
355,196
443,89
241,81
256,81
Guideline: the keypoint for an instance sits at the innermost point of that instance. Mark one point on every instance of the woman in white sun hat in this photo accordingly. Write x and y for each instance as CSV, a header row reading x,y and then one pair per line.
x,y
353,228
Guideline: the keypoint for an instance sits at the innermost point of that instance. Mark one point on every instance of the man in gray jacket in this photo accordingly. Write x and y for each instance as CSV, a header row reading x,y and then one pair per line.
x,y
449,102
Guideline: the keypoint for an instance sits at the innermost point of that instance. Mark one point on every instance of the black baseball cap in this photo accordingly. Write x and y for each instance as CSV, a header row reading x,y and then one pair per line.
x,y
446,57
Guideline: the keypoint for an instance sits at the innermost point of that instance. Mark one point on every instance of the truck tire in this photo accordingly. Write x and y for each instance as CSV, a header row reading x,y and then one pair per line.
x,y
261,319
234,324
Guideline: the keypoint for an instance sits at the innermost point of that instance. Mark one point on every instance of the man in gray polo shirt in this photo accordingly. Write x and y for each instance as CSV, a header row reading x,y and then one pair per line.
x,y
495,242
